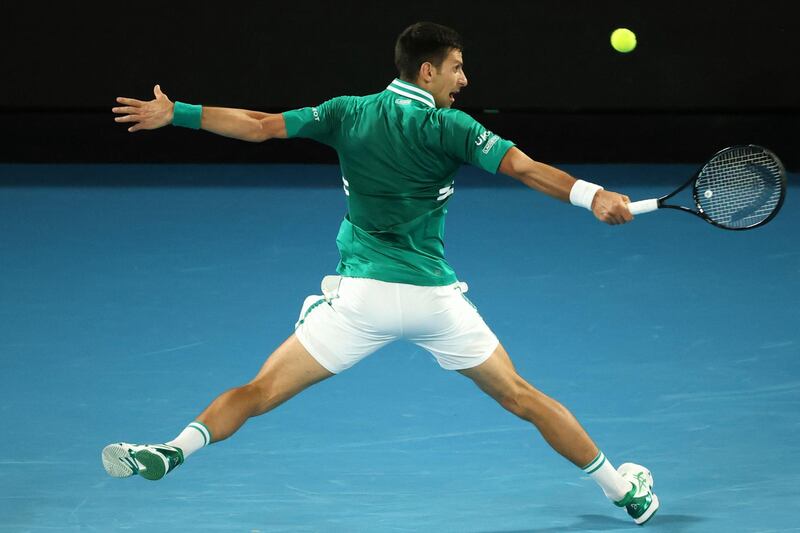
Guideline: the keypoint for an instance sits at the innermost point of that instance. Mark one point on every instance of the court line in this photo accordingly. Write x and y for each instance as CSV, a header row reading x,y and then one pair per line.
x,y
175,349
739,393
402,440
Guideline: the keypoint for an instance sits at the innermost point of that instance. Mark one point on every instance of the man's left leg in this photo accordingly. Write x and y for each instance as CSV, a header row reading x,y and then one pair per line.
x,y
630,486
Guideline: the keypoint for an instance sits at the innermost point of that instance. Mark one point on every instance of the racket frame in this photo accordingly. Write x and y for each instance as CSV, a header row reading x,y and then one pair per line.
x,y
693,181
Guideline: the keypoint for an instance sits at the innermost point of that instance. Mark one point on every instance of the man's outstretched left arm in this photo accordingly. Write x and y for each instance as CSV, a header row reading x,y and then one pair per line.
x,y
242,124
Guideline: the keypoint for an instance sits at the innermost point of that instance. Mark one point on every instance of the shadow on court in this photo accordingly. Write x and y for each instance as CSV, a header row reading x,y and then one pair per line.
x,y
595,522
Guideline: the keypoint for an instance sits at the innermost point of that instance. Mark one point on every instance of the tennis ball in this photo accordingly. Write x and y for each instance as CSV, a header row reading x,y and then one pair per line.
x,y
623,40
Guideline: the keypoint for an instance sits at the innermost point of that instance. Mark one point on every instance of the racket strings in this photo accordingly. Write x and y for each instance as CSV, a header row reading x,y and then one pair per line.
x,y
740,188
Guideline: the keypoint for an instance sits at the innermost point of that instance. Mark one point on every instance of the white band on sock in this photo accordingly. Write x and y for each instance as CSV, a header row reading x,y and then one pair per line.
x,y
203,431
582,194
613,484
192,438
596,463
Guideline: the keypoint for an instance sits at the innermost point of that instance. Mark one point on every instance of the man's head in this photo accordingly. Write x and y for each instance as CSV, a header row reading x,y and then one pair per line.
x,y
429,55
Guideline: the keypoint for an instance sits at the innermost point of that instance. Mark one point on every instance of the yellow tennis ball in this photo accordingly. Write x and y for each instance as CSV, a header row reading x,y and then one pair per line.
x,y
623,40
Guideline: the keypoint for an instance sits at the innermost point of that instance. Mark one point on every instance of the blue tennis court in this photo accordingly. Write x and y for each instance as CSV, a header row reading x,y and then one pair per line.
x,y
126,309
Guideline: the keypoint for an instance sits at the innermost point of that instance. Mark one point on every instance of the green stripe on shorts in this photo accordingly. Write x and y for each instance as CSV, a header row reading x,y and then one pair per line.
x,y
310,308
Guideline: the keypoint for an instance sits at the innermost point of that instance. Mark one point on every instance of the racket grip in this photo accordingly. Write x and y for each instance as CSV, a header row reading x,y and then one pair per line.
x,y
643,206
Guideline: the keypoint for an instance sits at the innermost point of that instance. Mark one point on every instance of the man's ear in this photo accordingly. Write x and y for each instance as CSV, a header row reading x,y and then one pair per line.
x,y
426,71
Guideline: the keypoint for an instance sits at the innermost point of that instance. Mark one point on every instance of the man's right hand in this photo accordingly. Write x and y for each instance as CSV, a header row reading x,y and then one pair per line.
x,y
145,115
611,207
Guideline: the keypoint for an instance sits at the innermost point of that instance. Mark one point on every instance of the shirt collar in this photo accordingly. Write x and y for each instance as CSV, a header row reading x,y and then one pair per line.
x,y
409,90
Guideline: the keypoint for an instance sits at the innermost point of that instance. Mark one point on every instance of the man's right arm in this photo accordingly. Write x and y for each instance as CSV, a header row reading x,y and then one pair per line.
x,y
251,126
609,207
469,141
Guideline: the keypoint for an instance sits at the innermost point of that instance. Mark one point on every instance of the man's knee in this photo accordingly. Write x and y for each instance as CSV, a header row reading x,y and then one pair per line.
x,y
267,393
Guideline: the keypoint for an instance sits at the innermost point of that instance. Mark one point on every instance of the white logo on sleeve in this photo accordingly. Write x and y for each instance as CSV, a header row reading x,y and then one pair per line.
x,y
482,137
491,143
315,113
444,192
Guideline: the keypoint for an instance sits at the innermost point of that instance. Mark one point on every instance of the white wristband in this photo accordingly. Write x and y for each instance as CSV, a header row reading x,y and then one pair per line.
x,y
582,194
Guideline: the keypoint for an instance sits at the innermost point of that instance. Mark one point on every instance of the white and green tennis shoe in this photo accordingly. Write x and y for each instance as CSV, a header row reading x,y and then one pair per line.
x,y
151,461
641,503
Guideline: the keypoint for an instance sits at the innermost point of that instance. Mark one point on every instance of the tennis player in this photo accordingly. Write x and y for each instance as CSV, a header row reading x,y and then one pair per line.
x,y
399,150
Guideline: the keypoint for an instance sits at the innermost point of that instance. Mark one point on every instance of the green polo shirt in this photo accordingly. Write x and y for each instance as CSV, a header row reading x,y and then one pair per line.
x,y
398,154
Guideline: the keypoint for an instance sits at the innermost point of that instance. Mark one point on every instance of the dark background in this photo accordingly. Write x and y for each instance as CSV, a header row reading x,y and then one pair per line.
x,y
705,74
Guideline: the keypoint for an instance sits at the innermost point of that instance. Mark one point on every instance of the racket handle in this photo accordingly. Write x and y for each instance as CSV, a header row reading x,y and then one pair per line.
x,y
643,206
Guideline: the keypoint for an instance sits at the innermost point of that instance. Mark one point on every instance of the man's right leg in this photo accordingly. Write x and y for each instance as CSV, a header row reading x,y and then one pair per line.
x,y
286,372
289,370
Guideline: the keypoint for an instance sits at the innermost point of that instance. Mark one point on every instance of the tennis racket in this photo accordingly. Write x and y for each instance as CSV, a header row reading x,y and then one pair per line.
x,y
741,187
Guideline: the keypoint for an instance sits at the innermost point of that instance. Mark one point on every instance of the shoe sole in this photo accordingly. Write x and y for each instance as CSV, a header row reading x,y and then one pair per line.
x,y
651,511
118,462
114,457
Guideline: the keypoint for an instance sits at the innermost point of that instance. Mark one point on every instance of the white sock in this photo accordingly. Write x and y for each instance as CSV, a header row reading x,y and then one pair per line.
x,y
614,485
192,438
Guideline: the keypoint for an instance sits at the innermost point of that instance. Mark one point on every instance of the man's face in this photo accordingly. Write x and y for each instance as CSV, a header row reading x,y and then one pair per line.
x,y
448,79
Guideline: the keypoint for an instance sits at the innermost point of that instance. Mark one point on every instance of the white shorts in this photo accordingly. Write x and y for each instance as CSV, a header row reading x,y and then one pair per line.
x,y
354,317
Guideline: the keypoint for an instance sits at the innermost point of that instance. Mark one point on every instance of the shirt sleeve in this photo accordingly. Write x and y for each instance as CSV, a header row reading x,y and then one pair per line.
x,y
320,123
469,141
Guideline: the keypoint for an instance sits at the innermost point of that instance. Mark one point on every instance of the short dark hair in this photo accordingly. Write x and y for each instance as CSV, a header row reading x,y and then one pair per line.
x,y
424,42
